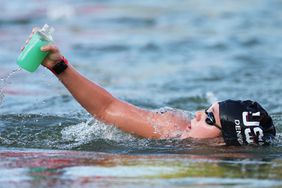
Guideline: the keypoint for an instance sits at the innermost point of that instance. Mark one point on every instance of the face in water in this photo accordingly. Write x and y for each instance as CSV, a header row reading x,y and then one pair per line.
x,y
206,123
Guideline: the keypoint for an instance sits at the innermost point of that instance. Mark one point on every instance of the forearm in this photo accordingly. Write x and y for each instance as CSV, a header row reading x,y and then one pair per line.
x,y
91,96
98,101
105,107
111,110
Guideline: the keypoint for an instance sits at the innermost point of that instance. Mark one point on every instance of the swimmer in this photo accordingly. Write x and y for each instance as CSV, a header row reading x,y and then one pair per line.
x,y
237,122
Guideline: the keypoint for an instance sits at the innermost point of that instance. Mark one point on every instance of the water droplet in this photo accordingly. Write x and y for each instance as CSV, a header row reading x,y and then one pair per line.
x,y
4,83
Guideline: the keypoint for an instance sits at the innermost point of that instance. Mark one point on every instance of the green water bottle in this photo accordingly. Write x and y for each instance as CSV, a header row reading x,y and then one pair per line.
x,y
32,56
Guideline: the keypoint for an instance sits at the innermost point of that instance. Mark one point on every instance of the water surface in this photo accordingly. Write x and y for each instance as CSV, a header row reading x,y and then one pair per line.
x,y
180,54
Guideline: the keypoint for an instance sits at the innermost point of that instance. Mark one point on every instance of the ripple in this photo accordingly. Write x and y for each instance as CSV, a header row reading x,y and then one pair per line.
x,y
130,21
100,48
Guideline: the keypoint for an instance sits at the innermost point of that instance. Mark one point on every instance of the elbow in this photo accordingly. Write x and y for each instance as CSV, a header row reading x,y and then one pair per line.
x,y
103,113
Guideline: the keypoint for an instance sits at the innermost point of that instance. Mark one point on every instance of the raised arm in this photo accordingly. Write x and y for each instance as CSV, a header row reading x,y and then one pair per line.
x,y
100,103
109,109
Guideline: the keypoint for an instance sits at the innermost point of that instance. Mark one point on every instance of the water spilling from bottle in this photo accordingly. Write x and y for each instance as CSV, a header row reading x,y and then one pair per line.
x,y
181,54
4,81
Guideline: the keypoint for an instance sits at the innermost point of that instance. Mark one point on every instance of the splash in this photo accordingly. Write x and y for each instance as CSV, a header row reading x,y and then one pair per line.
x,y
211,97
91,130
4,82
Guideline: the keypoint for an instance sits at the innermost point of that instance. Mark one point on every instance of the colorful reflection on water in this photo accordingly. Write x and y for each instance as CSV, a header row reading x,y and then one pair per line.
x,y
154,54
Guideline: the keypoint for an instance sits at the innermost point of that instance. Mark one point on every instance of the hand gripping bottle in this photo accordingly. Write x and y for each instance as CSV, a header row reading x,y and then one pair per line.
x,y
32,56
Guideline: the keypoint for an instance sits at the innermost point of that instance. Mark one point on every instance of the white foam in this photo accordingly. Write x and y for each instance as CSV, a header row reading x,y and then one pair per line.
x,y
93,129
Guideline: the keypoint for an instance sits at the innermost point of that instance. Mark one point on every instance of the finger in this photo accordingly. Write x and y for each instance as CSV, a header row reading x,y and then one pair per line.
x,y
32,33
50,48
22,48
54,56
34,30
29,37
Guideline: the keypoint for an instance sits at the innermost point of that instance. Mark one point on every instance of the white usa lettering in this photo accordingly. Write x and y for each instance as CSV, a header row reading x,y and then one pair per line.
x,y
258,133
250,123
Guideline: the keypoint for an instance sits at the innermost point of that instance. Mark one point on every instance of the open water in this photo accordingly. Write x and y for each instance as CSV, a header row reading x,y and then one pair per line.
x,y
154,54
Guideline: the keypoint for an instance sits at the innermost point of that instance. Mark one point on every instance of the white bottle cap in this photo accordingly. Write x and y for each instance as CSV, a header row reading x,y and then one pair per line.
x,y
47,29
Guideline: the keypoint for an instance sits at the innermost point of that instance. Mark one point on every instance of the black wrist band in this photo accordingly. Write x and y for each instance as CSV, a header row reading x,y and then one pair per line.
x,y
60,67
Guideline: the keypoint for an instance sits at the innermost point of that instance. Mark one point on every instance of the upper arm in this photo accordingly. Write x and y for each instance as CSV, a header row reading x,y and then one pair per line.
x,y
145,123
129,118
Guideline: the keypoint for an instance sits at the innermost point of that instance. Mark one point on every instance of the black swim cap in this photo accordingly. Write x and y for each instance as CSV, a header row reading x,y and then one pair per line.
x,y
245,122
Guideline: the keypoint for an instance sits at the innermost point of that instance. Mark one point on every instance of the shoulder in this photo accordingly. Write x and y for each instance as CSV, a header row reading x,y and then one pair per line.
x,y
170,122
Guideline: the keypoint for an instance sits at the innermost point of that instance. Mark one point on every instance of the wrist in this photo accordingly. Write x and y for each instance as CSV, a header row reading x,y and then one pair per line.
x,y
60,66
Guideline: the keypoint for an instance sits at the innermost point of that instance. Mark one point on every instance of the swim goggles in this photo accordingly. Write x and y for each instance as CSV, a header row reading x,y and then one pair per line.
x,y
210,120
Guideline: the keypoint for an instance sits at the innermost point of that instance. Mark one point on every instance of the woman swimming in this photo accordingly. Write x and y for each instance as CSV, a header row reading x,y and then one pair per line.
x,y
237,122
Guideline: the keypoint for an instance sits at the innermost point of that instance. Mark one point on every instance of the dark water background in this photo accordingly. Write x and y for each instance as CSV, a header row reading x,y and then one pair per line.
x,y
181,54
